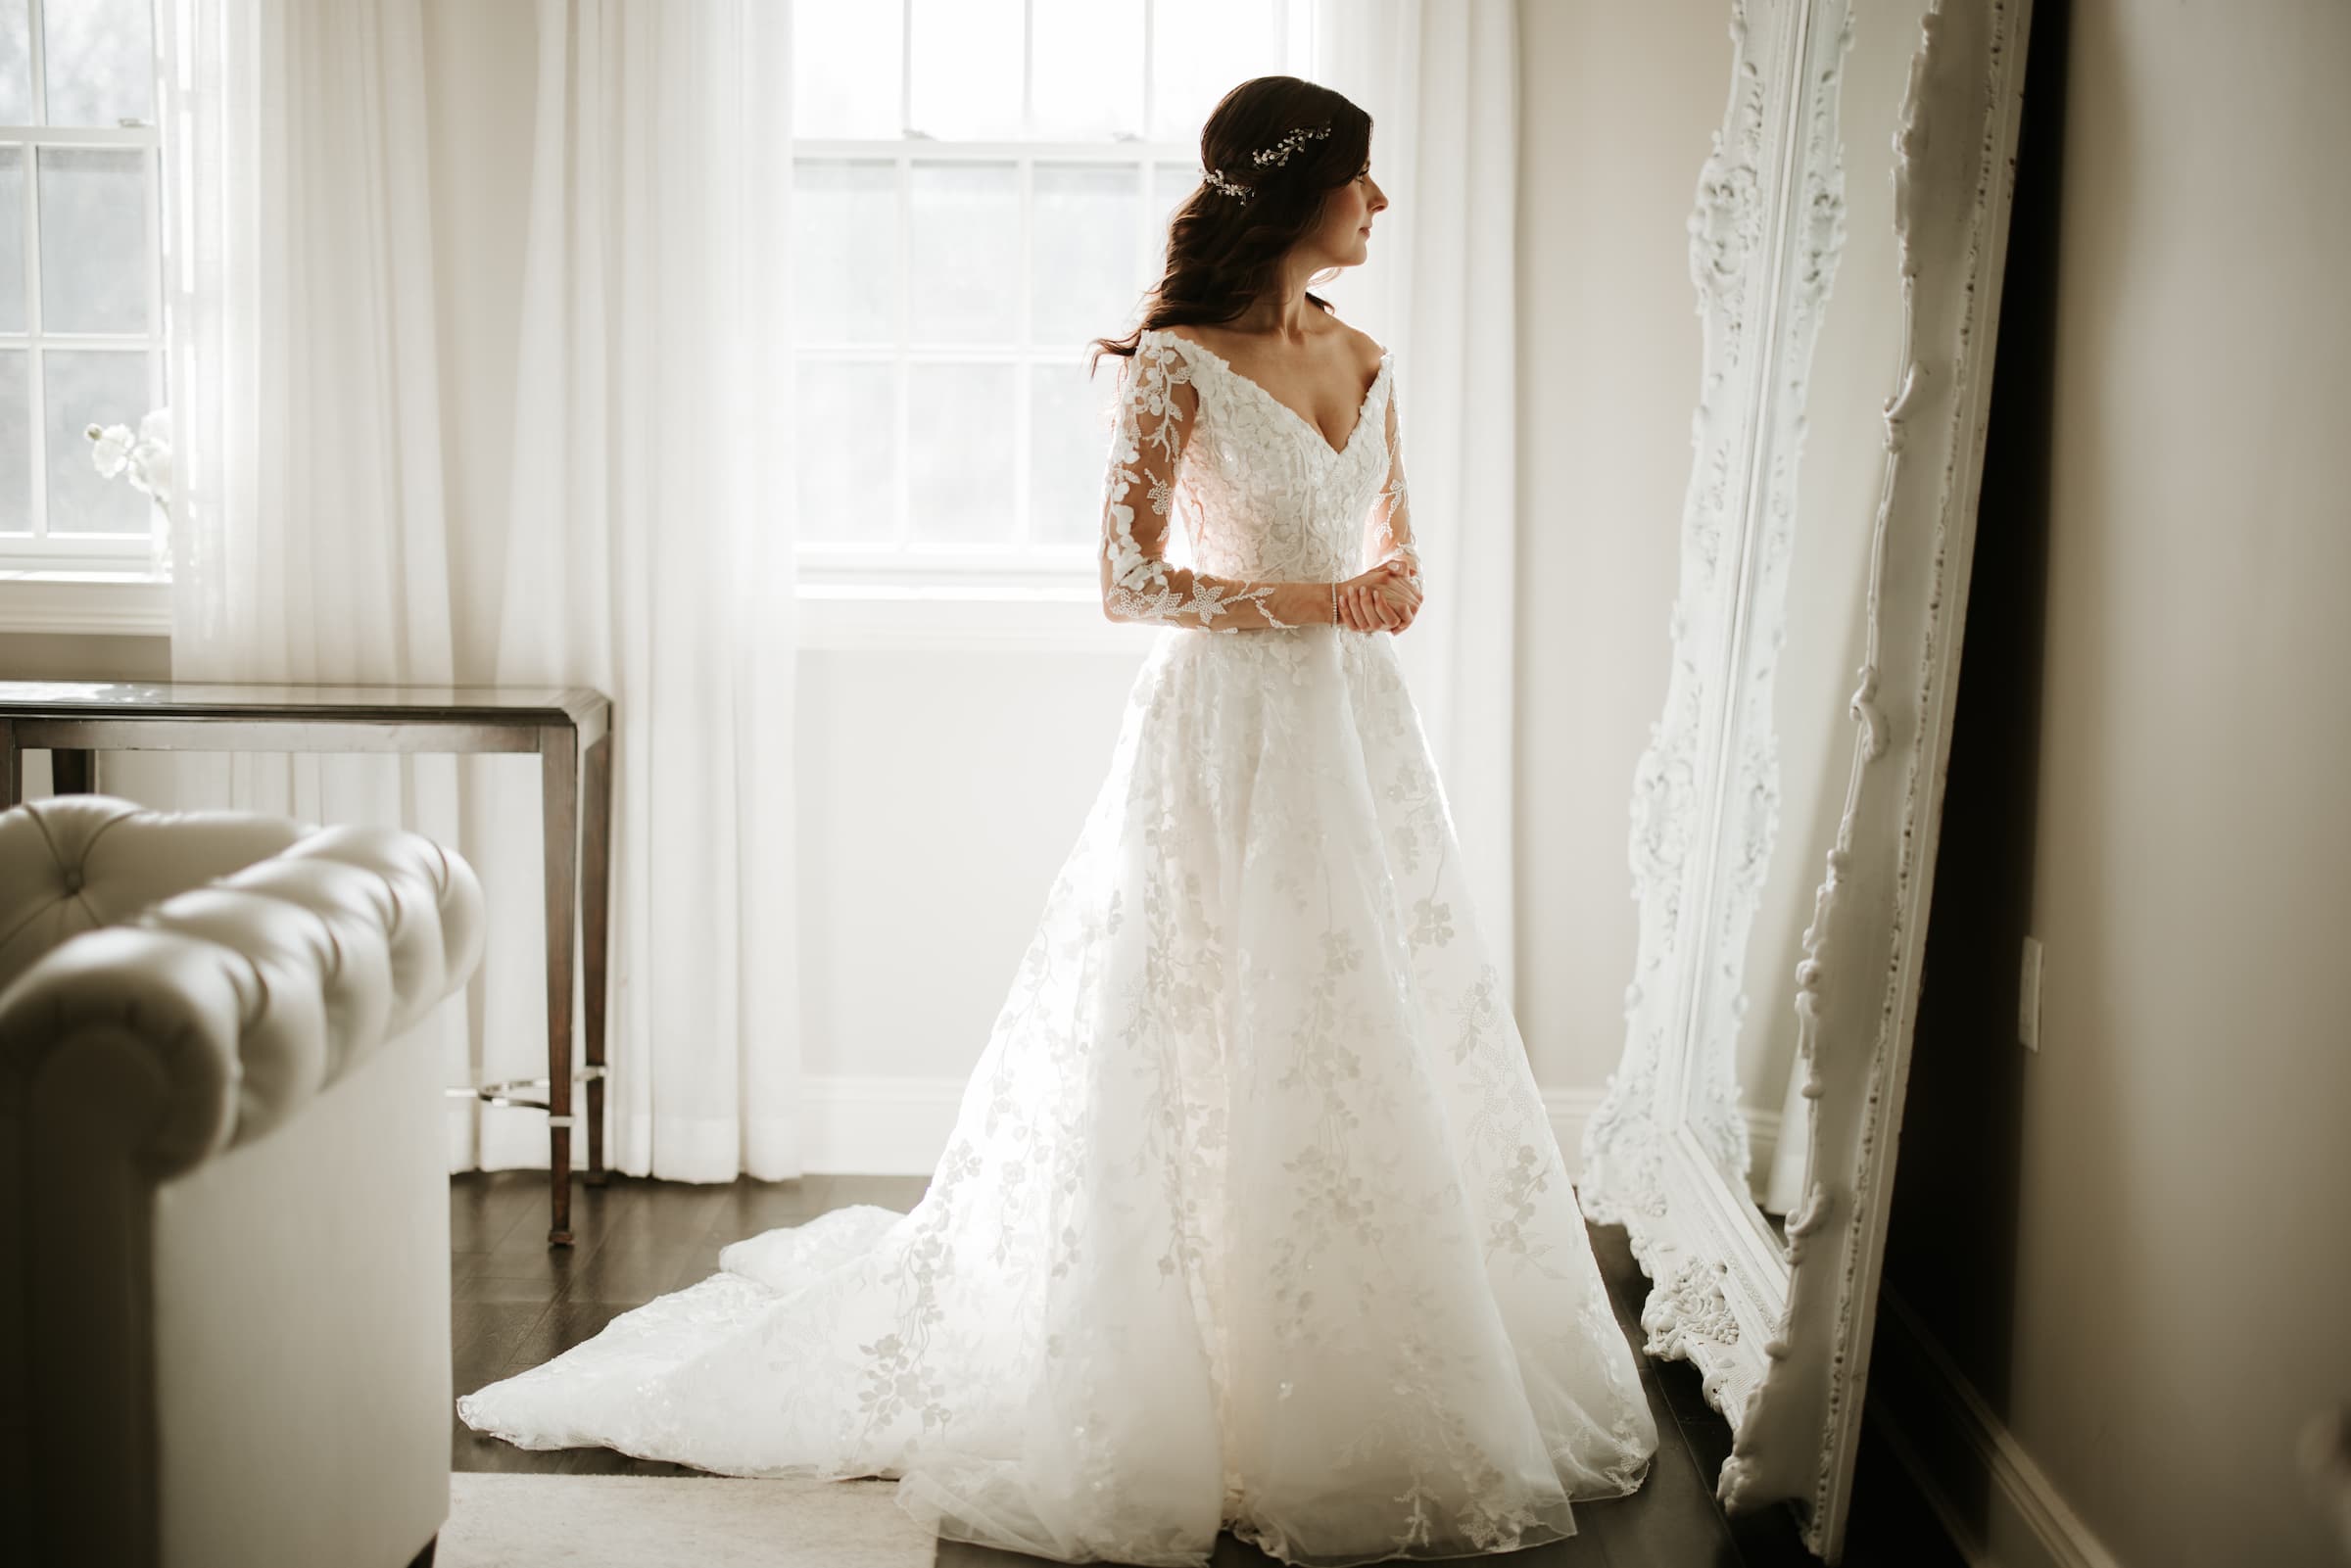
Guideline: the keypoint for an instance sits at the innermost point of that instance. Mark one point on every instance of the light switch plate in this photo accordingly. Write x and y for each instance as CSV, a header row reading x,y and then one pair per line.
x,y
2028,997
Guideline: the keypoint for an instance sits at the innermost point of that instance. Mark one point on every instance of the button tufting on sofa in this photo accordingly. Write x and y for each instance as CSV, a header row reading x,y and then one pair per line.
x,y
224,1194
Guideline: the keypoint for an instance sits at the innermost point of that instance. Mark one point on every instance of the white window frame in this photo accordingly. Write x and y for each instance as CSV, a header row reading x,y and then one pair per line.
x,y
1021,596
1019,566
892,578
116,559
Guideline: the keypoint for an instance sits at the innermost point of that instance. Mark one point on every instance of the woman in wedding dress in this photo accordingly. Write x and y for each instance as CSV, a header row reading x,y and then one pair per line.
x,y
1251,1216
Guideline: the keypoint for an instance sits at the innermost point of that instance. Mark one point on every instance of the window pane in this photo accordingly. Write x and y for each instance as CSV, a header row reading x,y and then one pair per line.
x,y
845,230
11,240
847,451
93,239
1203,49
1068,449
82,389
16,442
846,67
1082,277
99,58
960,468
1089,67
966,69
966,253
16,64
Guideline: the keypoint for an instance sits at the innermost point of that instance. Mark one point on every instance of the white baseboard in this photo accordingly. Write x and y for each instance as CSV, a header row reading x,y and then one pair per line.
x,y
1569,1110
876,1126
895,1125
898,1126
1951,1442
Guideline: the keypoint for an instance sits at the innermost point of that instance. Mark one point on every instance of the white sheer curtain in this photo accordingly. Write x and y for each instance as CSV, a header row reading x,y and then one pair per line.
x,y
308,533
1439,78
647,548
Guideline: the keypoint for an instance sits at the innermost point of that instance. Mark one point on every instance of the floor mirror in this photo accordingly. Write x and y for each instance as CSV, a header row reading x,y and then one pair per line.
x,y
1846,246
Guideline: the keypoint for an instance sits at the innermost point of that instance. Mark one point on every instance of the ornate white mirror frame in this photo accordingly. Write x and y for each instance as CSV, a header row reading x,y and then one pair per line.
x,y
1782,1339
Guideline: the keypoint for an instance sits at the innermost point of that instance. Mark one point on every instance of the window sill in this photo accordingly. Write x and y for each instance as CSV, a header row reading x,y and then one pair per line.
x,y
832,615
967,617
53,603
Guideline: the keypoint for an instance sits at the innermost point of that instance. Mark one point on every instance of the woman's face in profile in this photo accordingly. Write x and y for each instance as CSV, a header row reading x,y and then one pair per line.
x,y
1349,217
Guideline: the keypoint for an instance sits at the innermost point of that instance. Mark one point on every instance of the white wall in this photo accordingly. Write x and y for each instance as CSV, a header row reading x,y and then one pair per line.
x,y
2132,1245
1619,108
940,794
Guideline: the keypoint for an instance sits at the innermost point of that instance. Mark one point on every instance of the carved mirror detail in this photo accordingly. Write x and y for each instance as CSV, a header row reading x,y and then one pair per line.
x,y
1846,246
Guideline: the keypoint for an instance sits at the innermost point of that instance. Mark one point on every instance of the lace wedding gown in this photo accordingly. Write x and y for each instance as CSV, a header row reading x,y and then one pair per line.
x,y
1251,1215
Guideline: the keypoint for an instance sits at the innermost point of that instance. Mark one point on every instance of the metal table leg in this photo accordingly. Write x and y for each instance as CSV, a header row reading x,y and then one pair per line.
x,y
70,771
559,831
596,891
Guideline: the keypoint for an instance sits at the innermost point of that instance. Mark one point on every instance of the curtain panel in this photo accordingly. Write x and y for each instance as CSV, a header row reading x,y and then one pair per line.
x,y
644,545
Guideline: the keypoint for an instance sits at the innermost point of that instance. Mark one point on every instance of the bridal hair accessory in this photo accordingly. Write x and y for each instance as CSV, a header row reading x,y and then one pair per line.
x,y
1276,155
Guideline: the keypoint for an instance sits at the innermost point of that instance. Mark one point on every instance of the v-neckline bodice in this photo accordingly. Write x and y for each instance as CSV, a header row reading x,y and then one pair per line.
x,y
1362,410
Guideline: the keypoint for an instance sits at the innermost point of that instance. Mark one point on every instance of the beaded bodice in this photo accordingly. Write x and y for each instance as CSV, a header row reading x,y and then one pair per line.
x,y
1265,497
1261,493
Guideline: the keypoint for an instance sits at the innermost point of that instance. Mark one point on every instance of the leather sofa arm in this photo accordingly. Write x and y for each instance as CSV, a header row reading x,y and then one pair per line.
x,y
250,994
70,864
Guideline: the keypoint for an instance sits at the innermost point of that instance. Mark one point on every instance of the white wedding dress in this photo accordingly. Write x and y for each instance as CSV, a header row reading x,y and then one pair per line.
x,y
1251,1216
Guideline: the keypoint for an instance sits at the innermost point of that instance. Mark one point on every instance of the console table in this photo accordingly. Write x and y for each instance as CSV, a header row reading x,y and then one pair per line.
x,y
566,726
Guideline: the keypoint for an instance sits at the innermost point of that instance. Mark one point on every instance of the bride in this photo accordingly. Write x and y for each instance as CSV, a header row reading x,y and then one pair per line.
x,y
1251,1216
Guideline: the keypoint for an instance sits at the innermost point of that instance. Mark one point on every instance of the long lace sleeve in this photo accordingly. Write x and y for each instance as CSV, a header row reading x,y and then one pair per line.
x,y
1388,532
1157,407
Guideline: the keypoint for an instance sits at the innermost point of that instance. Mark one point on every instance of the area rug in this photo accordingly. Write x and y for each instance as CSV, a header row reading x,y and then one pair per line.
x,y
564,1521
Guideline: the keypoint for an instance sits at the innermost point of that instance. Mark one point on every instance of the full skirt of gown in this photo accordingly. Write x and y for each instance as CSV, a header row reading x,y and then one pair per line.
x,y
1251,1216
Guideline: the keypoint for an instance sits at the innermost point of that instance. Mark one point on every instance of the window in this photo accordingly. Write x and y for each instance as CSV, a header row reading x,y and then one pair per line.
x,y
981,187
80,281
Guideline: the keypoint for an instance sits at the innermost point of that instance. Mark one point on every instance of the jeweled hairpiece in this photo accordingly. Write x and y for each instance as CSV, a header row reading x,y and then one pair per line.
x,y
1274,157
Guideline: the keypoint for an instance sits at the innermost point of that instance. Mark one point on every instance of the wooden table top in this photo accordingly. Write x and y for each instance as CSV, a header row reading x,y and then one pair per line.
x,y
202,699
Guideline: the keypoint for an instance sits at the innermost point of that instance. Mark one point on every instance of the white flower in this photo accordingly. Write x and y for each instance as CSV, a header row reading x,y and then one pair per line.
x,y
144,460
112,449
151,467
151,455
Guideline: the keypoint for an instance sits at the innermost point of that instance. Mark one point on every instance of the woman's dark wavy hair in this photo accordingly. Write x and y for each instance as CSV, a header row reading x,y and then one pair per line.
x,y
1224,252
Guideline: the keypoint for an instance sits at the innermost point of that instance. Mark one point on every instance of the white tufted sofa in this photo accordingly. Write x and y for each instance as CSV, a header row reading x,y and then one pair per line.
x,y
223,1193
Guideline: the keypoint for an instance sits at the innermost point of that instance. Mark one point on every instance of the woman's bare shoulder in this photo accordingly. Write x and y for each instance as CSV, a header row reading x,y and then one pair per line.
x,y
1190,332
1368,350
1358,345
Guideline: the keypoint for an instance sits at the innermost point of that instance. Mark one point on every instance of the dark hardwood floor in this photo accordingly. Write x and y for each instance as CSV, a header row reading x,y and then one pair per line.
x,y
516,1303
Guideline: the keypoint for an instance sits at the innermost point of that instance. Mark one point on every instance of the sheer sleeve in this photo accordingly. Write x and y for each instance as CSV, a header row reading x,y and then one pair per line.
x,y
1156,411
1388,532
